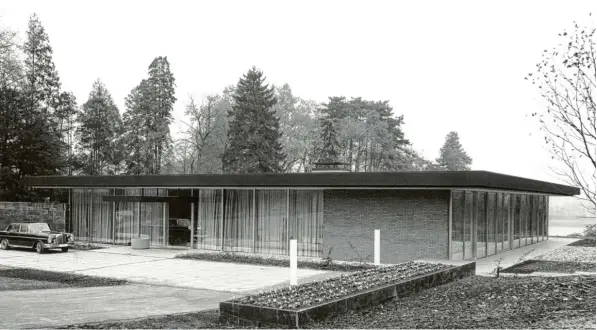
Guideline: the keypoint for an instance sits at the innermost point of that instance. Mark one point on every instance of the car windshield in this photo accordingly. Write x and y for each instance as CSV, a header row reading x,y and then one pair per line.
x,y
39,228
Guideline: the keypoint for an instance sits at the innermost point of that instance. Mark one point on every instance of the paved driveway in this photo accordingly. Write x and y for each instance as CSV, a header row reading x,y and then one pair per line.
x,y
158,268
55,307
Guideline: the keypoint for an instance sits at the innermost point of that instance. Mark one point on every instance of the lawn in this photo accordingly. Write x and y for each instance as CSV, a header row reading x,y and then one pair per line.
x,y
31,279
471,303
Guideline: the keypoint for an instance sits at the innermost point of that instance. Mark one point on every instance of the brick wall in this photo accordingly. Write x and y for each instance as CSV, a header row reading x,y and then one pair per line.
x,y
54,214
413,224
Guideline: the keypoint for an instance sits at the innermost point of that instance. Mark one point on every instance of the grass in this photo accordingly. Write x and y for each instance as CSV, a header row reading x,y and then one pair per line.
x,y
277,262
548,266
472,303
29,279
587,242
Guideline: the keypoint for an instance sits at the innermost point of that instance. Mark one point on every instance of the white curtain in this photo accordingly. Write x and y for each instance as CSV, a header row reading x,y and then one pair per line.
x,y
208,232
238,221
306,221
152,217
271,222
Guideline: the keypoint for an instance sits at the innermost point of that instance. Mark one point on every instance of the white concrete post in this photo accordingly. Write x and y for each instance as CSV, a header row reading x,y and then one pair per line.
x,y
293,252
377,247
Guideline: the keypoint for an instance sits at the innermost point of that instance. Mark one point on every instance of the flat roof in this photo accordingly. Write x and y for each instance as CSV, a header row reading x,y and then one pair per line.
x,y
336,180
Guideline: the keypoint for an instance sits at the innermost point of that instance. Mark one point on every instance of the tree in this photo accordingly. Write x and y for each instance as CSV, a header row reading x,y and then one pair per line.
x,y
565,78
254,134
27,145
161,84
330,145
147,119
452,156
11,69
206,136
99,131
42,84
370,137
139,152
299,128
66,115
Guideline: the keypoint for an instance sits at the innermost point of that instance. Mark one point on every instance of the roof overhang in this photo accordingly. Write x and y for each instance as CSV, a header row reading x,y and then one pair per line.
x,y
482,180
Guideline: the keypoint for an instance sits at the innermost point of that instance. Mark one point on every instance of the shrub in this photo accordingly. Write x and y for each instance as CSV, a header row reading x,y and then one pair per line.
x,y
589,231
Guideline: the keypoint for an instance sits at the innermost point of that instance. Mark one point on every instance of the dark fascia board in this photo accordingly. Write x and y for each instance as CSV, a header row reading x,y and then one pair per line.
x,y
448,180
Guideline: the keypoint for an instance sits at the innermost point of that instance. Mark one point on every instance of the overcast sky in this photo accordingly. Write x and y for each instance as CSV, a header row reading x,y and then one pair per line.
x,y
444,65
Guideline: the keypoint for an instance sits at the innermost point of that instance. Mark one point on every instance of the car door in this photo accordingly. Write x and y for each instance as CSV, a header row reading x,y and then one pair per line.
x,y
14,234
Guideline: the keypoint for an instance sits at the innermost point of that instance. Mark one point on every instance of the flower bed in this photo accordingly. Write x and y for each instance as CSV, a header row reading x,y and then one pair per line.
x,y
294,306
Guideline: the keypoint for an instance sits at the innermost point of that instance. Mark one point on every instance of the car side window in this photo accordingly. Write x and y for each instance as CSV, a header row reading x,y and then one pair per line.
x,y
12,228
24,229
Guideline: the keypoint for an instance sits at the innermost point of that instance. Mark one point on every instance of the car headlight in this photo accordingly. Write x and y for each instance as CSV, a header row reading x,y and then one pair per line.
x,y
71,238
51,238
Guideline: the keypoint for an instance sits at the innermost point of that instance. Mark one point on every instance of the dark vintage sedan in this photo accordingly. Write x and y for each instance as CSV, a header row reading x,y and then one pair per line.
x,y
36,235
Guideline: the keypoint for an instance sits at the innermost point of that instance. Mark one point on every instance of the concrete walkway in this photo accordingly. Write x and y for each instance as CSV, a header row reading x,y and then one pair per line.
x,y
58,307
158,267
485,266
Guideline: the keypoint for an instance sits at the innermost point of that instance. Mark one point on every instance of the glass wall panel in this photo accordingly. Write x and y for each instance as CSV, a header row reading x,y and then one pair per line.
x,y
306,221
271,222
543,217
491,199
499,221
506,221
524,219
534,218
468,224
208,234
458,225
481,220
238,220
152,217
516,214
91,216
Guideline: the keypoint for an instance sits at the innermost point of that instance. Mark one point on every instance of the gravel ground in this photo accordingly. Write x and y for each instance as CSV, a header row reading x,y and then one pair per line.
x,y
472,303
570,253
549,266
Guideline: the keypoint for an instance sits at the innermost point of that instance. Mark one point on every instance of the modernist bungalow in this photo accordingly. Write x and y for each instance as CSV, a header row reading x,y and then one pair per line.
x,y
445,215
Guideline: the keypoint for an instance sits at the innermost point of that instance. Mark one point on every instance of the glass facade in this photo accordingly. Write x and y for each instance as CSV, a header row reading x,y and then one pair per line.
x,y
243,220
485,223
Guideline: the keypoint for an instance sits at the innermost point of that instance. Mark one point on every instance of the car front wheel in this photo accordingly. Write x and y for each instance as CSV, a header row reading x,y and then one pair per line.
x,y
39,247
65,249
4,245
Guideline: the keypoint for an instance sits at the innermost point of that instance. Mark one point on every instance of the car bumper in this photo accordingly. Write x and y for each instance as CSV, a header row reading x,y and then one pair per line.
x,y
56,246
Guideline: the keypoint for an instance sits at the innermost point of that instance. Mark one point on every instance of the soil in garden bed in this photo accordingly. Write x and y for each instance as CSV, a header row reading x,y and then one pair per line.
x,y
314,293
258,260
587,242
548,266
64,279
471,303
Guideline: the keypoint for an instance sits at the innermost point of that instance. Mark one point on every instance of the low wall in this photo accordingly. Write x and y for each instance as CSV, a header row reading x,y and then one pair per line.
x,y
54,214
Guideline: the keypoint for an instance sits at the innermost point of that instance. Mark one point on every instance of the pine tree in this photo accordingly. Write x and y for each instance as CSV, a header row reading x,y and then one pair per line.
x,y
137,127
330,147
452,155
27,147
254,134
42,84
99,130
161,84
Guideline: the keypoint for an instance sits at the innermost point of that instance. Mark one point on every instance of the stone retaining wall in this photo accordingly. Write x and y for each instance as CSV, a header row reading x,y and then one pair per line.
x,y
52,213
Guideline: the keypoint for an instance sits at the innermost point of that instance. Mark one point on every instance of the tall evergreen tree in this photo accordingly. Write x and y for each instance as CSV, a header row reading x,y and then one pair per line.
x,y
330,148
254,133
27,146
161,84
99,131
452,156
139,152
42,85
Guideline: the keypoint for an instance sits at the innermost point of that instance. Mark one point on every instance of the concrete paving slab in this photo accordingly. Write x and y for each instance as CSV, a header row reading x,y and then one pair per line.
x,y
57,307
485,266
155,270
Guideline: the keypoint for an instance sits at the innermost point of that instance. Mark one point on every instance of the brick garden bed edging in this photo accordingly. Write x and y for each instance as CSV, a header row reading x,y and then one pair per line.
x,y
233,312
